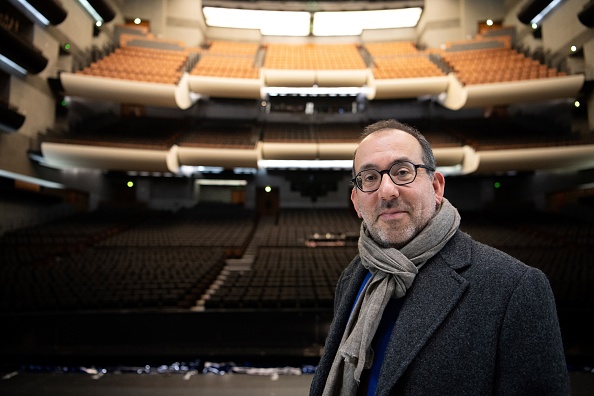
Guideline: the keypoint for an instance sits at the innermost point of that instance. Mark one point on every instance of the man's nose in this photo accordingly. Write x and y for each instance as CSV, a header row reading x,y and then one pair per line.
x,y
388,189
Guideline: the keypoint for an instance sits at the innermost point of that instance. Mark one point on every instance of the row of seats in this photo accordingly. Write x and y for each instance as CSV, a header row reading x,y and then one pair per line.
x,y
285,273
390,49
112,278
313,57
226,137
284,278
496,65
130,132
405,67
168,132
140,64
226,66
157,133
498,133
233,48
181,232
559,246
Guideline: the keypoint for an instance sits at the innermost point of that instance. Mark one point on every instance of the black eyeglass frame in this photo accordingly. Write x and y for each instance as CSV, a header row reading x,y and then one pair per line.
x,y
387,171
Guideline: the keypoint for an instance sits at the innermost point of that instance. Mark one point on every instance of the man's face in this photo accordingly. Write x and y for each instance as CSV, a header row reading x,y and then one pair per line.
x,y
395,214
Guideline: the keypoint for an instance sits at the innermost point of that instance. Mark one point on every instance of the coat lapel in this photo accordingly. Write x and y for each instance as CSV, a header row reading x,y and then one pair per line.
x,y
435,292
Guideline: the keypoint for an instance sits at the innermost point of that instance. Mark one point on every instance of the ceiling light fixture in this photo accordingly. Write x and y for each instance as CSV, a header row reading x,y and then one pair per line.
x,y
315,91
306,164
221,182
352,23
302,23
270,23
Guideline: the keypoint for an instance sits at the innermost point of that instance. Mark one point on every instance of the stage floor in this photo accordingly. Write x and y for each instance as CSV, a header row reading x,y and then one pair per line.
x,y
131,384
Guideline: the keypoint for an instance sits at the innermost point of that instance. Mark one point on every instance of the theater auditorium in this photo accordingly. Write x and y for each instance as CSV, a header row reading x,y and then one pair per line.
x,y
175,176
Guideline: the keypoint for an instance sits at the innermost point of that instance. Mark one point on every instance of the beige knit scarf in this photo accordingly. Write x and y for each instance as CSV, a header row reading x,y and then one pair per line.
x,y
393,272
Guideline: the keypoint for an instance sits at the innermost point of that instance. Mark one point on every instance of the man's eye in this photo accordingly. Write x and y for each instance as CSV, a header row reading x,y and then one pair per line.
x,y
402,172
370,177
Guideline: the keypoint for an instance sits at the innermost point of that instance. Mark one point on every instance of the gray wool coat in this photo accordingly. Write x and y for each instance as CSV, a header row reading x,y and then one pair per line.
x,y
476,321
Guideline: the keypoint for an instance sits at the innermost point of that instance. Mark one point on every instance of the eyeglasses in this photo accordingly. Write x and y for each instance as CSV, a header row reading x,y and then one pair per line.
x,y
401,173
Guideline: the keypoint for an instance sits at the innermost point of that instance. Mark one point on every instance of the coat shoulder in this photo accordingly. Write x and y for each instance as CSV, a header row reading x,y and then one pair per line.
x,y
466,254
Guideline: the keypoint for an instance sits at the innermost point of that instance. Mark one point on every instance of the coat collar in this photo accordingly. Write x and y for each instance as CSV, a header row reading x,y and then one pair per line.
x,y
436,291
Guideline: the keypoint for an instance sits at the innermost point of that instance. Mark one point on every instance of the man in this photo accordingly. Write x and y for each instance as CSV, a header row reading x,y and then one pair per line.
x,y
424,309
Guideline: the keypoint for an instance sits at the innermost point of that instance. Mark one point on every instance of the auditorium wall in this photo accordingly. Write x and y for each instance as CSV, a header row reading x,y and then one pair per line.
x,y
173,20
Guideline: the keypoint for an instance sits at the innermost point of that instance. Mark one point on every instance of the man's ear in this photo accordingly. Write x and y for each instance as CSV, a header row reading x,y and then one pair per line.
x,y
438,187
354,201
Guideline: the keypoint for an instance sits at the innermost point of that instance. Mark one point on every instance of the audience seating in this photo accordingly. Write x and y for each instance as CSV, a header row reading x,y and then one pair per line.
x,y
391,48
217,136
405,67
125,132
313,57
496,65
159,260
236,48
140,64
112,259
385,70
559,246
225,66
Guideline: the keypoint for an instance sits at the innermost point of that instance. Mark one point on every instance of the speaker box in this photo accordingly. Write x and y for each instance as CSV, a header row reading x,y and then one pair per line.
x,y
103,9
586,15
10,119
53,11
532,9
21,52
